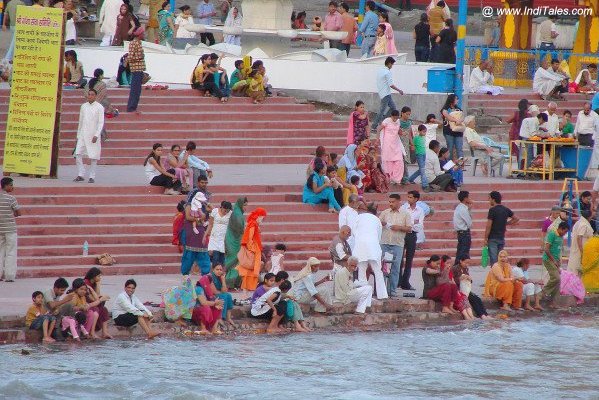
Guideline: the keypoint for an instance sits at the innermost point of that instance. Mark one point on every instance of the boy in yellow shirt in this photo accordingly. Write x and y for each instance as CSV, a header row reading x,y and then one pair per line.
x,y
38,318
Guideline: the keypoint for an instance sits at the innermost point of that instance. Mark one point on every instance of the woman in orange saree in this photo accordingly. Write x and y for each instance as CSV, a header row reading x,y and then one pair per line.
x,y
500,284
251,245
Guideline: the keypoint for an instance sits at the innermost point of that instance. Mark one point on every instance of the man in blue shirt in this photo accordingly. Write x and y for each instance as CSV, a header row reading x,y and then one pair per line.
x,y
368,29
384,84
205,13
197,165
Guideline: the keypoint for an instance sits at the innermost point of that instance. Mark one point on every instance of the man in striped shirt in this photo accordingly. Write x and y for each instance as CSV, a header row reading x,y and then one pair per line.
x,y
9,209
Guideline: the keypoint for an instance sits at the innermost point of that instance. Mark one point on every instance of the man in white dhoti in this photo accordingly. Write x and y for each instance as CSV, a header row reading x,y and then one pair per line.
x,y
108,14
581,232
368,251
549,82
91,122
481,80
348,216
347,291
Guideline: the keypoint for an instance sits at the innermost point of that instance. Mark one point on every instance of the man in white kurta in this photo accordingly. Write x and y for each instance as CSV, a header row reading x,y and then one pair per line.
x,y
91,122
347,291
348,216
481,80
108,14
368,251
546,81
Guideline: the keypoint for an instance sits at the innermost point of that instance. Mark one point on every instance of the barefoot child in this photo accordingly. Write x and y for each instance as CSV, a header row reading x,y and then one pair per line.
x,y
38,318
267,283
531,289
75,326
272,306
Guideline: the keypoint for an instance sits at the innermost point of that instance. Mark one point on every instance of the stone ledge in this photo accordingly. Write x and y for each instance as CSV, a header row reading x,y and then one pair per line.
x,y
390,314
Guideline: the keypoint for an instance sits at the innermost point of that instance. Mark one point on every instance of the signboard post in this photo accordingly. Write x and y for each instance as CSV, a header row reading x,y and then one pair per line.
x,y
33,116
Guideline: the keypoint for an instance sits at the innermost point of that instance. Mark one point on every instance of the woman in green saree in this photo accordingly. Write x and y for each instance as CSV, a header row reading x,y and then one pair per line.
x,y
233,242
166,24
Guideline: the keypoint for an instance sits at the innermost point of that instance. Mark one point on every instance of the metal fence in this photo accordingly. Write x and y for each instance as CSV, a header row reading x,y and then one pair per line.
x,y
516,68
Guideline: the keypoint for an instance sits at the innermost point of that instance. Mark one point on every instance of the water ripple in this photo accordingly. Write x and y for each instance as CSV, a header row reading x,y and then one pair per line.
x,y
516,360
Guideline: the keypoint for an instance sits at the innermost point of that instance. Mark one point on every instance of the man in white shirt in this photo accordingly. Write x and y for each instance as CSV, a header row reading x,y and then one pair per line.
x,y
432,167
347,291
585,125
417,221
348,216
128,310
368,251
91,122
552,119
481,80
462,223
531,126
549,82
384,84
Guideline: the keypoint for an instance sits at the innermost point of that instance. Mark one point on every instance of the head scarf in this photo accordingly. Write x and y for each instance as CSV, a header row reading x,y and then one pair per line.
x,y
237,222
247,66
307,270
204,282
349,158
252,222
234,22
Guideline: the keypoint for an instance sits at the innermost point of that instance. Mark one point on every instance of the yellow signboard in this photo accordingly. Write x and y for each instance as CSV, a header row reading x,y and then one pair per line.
x,y
34,90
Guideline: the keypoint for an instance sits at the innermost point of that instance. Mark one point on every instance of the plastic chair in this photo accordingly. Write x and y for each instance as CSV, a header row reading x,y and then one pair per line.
x,y
501,147
474,159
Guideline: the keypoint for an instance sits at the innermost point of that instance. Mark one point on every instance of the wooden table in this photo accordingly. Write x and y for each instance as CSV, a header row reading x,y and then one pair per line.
x,y
548,170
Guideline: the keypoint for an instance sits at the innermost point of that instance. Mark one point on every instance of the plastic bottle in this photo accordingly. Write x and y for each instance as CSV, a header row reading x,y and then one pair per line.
x,y
85,249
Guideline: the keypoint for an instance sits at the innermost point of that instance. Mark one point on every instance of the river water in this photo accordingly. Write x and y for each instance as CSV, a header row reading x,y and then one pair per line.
x,y
532,359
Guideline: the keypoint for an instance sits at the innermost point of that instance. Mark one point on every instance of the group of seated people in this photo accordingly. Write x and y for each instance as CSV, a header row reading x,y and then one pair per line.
x,y
552,79
81,312
332,180
179,171
452,286
249,79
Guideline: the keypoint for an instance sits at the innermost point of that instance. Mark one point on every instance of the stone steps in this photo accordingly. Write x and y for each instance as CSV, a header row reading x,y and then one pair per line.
x,y
62,218
219,129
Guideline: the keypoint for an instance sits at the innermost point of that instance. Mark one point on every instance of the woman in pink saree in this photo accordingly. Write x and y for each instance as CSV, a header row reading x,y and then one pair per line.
x,y
384,19
392,150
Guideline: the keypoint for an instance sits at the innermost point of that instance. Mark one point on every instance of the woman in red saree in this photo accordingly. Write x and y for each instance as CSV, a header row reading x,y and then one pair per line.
x,y
208,312
375,179
251,245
